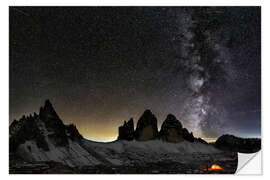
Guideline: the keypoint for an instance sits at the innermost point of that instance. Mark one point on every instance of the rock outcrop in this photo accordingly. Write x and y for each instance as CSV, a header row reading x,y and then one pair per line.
x,y
44,137
146,127
73,133
53,124
126,132
39,126
171,130
23,130
187,136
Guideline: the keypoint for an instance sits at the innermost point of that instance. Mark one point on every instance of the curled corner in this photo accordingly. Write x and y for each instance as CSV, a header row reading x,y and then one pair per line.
x,y
249,164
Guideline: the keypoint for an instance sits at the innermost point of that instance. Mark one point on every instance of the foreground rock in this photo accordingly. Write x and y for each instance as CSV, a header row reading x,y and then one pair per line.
x,y
146,127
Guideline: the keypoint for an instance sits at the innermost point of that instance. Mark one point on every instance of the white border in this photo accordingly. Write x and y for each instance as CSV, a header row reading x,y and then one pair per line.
x,y
4,75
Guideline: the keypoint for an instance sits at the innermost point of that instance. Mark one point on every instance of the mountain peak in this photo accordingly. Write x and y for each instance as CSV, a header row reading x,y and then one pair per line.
x,y
37,126
48,106
48,103
171,129
147,112
146,127
126,131
172,121
48,111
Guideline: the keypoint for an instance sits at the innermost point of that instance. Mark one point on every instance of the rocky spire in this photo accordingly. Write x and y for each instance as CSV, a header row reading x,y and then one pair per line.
x,y
48,110
53,124
187,136
73,133
171,130
32,128
126,131
146,127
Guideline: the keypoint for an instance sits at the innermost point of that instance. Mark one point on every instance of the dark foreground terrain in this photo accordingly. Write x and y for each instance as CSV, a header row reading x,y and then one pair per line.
x,y
229,165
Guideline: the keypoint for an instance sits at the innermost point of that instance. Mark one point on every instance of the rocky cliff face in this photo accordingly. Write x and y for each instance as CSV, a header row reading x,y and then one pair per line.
x,y
44,137
26,129
53,124
146,127
126,132
37,127
171,130
73,133
187,135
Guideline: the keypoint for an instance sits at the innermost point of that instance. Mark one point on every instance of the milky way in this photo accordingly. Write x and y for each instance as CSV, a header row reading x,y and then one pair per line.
x,y
101,66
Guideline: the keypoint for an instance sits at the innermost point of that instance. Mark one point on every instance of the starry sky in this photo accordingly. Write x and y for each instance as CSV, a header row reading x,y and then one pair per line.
x,y
100,66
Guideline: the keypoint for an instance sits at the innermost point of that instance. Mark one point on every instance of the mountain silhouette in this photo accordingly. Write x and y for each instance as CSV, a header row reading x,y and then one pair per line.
x,y
44,143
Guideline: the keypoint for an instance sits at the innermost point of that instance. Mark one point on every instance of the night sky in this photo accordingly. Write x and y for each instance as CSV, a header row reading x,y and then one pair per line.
x,y
100,66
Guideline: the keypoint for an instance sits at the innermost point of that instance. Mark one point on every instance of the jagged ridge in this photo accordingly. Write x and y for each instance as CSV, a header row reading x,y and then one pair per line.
x,y
171,130
44,137
31,128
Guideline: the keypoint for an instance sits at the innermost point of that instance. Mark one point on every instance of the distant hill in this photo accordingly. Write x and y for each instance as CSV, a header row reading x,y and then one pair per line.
x,y
236,144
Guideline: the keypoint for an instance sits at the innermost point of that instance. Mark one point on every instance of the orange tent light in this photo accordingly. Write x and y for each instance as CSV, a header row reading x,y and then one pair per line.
x,y
215,167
